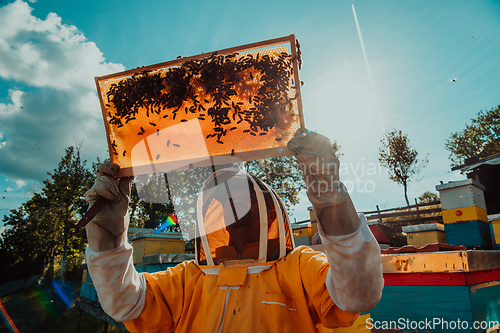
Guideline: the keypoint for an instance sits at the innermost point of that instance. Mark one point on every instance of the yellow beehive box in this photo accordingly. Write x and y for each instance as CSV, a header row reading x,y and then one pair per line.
x,y
464,214
146,244
312,214
423,234
495,225
496,231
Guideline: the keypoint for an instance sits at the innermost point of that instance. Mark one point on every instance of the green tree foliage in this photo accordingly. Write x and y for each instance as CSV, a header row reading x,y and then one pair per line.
x,y
282,174
427,197
151,206
400,160
34,240
481,138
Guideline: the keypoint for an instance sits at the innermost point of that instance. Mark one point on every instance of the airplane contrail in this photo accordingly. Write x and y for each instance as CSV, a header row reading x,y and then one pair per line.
x,y
368,68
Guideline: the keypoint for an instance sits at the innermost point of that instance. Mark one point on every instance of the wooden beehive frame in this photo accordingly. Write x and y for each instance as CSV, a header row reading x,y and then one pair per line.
x,y
220,159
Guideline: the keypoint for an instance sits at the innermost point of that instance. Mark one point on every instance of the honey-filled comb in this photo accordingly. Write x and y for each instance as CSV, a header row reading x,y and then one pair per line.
x,y
237,104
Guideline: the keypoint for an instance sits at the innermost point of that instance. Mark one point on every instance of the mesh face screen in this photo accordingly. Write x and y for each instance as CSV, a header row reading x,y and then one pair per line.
x,y
232,104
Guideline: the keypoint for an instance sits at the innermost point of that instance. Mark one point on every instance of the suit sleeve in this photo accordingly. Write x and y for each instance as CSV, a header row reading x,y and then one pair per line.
x,y
354,280
121,289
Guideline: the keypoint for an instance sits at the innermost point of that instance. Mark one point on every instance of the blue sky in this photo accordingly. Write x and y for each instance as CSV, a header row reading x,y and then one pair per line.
x,y
51,50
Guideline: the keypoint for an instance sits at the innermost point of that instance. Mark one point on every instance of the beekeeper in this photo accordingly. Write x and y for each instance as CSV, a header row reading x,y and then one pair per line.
x,y
248,276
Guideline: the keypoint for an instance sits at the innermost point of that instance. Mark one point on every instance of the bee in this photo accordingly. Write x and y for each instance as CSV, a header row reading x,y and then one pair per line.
x,y
176,145
168,143
232,152
157,157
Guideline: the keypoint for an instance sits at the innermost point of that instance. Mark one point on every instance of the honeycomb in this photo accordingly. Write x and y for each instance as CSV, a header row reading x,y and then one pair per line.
x,y
222,105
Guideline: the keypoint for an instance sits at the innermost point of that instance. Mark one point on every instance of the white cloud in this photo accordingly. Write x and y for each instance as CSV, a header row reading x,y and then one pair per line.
x,y
20,183
8,189
47,53
59,107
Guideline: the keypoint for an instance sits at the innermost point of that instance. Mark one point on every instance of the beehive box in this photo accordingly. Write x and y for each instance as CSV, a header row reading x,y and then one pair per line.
x,y
464,214
423,234
147,243
312,214
448,286
302,234
495,227
236,104
471,234
87,289
464,193
160,262
462,201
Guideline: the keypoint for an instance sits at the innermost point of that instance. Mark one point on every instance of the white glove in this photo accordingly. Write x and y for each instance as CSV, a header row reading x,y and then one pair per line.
x,y
108,229
330,199
321,168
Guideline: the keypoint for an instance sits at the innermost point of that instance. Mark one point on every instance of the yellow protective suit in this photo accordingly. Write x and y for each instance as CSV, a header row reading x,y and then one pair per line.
x,y
287,295
261,284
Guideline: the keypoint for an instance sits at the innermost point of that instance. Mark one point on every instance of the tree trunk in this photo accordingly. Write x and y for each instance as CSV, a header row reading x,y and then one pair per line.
x,y
405,185
63,263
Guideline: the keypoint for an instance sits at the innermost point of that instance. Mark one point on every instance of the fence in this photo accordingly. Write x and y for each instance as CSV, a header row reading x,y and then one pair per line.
x,y
416,214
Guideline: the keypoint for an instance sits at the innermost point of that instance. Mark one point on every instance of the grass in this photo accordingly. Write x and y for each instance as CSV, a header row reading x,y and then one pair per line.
x,y
40,309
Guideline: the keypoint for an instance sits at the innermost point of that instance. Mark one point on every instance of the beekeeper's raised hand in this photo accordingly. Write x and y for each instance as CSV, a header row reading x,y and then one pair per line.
x,y
329,196
108,229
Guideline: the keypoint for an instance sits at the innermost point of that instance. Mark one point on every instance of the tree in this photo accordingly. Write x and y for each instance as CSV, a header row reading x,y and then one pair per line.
x,y
427,197
401,161
39,232
479,139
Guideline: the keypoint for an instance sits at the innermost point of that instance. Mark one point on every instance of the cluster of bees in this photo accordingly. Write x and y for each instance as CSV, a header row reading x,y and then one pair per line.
x,y
223,89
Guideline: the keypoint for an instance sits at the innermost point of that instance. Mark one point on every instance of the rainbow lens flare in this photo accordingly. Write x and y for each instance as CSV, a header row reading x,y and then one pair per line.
x,y
171,221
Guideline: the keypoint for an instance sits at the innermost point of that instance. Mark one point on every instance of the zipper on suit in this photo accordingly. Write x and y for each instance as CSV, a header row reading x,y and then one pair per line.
x,y
224,310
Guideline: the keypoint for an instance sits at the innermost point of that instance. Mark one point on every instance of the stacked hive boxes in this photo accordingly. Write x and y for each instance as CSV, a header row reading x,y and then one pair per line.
x,y
464,214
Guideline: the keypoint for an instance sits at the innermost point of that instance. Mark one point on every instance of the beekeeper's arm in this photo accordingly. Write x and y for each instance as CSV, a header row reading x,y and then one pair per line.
x,y
120,288
354,280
